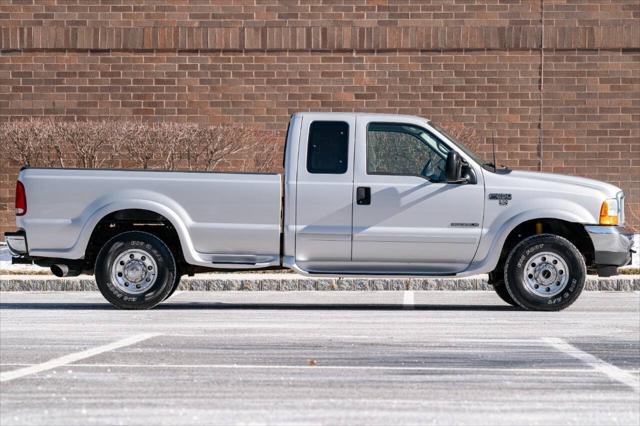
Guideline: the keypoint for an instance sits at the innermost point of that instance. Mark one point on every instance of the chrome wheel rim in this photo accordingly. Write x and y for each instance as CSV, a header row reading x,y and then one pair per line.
x,y
546,274
134,271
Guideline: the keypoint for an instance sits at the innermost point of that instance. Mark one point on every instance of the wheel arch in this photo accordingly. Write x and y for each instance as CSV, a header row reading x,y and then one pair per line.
x,y
569,225
112,222
572,231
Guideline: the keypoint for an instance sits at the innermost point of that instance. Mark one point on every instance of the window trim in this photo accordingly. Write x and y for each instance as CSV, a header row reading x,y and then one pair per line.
x,y
366,150
346,153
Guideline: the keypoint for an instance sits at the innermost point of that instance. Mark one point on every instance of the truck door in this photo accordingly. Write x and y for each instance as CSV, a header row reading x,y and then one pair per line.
x,y
324,192
406,218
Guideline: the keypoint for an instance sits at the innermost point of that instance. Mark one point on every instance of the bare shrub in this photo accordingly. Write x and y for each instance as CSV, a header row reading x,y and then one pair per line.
x,y
218,143
137,141
173,140
45,143
25,142
173,146
85,142
264,152
219,147
265,158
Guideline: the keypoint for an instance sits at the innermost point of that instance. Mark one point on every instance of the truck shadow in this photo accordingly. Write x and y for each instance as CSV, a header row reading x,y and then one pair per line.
x,y
334,307
179,306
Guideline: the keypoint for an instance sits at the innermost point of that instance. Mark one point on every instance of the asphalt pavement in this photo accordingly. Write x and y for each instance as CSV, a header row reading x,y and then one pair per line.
x,y
69,358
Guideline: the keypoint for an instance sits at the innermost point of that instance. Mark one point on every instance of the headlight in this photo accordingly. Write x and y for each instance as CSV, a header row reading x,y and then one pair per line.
x,y
609,212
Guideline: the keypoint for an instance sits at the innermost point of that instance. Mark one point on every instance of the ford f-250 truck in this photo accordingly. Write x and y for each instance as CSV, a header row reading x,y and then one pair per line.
x,y
361,194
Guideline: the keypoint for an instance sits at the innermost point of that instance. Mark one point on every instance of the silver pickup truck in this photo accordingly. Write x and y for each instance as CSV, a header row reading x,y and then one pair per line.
x,y
361,194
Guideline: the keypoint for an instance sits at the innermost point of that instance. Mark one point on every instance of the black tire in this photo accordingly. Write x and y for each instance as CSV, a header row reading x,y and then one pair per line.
x,y
529,248
176,284
503,293
165,276
496,279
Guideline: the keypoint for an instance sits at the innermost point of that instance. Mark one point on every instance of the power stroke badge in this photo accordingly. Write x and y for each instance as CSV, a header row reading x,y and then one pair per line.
x,y
503,199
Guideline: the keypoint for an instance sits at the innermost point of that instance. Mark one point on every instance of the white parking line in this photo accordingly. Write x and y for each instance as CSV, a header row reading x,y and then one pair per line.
x,y
407,299
594,362
68,359
344,367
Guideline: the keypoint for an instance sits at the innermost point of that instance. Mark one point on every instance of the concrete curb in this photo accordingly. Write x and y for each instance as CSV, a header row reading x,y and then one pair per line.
x,y
293,282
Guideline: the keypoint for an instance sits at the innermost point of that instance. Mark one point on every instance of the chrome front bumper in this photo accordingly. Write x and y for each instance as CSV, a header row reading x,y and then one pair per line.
x,y
612,247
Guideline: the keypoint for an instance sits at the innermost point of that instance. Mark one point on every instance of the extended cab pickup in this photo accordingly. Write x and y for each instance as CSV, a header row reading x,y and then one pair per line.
x,y
361,194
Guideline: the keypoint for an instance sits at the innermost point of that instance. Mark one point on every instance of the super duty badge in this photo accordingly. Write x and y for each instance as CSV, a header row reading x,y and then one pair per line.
x,y
503,199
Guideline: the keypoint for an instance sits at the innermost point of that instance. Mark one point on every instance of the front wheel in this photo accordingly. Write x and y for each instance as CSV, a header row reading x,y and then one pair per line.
x,y
545,273
135,270
496,279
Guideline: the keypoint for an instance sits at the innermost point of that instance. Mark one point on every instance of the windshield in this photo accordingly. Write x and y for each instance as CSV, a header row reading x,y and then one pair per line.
x,y
475,157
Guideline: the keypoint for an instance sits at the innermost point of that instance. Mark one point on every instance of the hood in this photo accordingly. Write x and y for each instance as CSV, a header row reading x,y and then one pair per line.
x,y
608,190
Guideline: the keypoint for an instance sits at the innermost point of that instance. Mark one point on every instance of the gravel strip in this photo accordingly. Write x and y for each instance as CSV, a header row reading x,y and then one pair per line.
x,y
294,282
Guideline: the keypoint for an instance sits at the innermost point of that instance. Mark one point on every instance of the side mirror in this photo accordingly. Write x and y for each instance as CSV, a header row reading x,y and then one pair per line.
x,y
454,167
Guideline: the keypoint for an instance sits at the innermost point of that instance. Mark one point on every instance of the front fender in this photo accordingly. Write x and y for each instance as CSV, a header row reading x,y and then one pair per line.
x,y
494,234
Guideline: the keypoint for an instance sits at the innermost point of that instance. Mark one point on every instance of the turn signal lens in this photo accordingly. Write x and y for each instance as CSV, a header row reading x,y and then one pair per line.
x,y
609,212
21,199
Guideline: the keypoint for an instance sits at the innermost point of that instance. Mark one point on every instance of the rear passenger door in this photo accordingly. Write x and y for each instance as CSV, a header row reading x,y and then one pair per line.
x,y
325,192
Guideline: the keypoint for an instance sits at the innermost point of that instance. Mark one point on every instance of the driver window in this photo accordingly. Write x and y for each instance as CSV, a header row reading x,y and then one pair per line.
x,y
400,149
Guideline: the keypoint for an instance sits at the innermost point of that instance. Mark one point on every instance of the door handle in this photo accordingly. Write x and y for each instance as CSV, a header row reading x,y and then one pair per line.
x,y
363,195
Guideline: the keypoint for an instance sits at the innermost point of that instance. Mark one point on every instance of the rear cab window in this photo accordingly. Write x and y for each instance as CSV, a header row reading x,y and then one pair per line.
x,y
328,148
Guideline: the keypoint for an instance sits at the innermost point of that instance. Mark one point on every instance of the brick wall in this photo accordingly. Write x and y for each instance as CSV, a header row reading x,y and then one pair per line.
x,y
572,78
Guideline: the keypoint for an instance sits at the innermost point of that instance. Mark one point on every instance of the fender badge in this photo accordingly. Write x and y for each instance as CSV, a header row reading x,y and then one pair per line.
x,y
503,199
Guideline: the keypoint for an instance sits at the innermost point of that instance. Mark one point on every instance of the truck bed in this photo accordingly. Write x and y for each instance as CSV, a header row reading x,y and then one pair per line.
x,y
221,218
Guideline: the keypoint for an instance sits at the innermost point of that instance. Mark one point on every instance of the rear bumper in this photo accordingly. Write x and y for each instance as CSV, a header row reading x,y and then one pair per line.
x,y
612,248
17,243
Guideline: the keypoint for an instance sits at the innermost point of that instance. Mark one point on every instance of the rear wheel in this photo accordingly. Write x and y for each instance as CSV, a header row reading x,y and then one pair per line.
x,y
135,270
545,273
176,284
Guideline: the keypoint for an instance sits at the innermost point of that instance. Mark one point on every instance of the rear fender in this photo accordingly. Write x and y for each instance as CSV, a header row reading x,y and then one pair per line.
x,y
134,199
